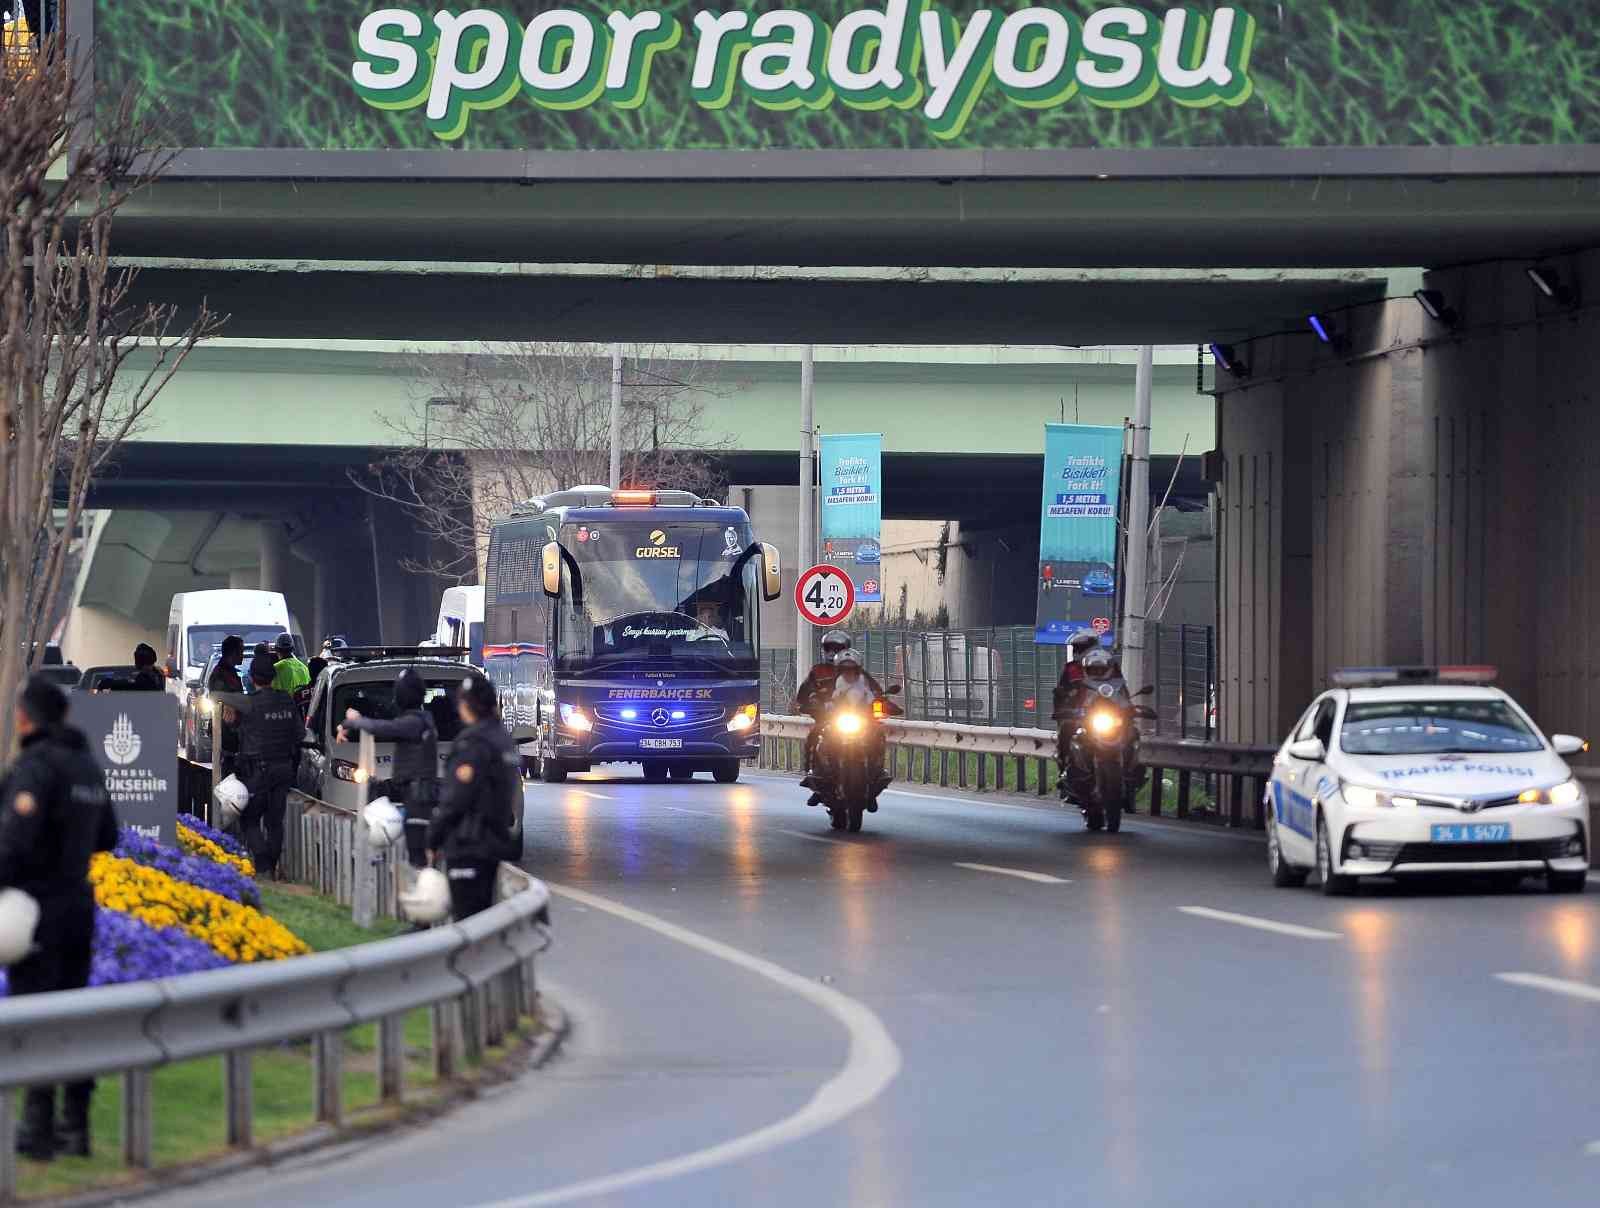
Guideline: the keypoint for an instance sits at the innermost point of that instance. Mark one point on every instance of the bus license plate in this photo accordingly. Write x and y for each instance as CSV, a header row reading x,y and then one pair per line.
x,y
1472,832
661,744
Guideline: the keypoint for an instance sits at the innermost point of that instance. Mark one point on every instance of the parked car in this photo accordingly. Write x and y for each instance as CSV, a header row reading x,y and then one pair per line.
x,y
366,683
110,678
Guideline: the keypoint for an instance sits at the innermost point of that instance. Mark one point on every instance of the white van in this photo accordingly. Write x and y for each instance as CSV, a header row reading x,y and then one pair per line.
x,y
461,621
199,620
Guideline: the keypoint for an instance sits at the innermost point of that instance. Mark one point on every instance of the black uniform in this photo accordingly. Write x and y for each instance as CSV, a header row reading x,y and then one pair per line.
x,y
472,826
54,814
225,678
270,732
414,784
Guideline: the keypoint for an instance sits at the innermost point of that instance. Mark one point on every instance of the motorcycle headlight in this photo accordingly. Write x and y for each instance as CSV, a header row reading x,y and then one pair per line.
x,y
1105,722
743,719
848,723
575,719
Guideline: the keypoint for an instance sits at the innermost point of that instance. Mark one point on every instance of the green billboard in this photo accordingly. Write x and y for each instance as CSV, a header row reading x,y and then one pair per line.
x,y
839,75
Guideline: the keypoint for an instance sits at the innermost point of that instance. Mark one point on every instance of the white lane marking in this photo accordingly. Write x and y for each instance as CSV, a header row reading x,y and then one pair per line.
x,y
811,838
997,805
596,796
1248,920
1553,985
1046,806
678,809
1042,878
870,1065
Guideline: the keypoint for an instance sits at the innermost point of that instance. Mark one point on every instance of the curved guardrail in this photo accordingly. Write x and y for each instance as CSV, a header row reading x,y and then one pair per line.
x,y
476,975
952,755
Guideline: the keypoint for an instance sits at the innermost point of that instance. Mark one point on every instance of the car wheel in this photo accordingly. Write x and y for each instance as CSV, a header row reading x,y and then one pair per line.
x,y
655,772
726,772
551,771
1334,885
1284,874
1566,882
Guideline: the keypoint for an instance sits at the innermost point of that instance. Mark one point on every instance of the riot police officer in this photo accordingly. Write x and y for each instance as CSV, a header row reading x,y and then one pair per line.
x,y
414,785
471,828
270,731
225,678
54,814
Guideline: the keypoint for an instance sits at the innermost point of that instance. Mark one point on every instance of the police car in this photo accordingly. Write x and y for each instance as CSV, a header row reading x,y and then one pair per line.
x,y
1404,770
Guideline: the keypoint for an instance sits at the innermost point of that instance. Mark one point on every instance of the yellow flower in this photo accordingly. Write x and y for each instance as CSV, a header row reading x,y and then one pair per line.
x,y
197,844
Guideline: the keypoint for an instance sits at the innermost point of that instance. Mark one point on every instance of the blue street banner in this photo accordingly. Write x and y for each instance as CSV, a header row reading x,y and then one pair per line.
x,y
1078,531
852,510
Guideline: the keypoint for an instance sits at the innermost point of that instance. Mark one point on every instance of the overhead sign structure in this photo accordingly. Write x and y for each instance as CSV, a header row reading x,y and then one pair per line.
x,y
852,510
847,75
1077,581
824,595
133,737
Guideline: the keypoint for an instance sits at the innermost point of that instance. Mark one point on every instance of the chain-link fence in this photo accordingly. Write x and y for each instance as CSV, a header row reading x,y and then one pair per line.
x,y
1000,677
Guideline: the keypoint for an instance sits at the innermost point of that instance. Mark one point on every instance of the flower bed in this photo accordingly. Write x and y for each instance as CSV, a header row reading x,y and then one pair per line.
x,y
164,911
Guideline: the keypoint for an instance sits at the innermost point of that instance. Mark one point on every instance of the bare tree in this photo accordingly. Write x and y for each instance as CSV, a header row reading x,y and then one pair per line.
x,y
68,327
488,429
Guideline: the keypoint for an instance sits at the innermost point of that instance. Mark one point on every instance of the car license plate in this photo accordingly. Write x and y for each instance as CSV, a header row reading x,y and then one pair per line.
x,y
1472,832
661,744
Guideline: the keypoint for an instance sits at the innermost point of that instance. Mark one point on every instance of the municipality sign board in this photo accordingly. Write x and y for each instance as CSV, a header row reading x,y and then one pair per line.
x,y
134,738
842,75
852,510
1077,580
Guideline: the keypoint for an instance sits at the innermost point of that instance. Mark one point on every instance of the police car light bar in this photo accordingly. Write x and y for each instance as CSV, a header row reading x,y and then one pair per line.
x,y
1369,677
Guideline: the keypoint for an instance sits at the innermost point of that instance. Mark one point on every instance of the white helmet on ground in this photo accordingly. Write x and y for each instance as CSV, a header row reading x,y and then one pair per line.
x,y
428,900
19,917
385,823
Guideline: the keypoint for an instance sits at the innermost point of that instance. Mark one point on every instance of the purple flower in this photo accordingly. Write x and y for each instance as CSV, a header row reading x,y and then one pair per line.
x,y
225,841
194,870
127,950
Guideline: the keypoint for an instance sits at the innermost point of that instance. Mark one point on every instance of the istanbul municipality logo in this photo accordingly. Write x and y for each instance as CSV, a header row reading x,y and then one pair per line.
x,y
122,744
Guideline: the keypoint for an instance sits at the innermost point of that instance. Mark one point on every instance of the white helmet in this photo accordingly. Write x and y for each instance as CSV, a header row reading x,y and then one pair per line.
x,y
230,797
427,901
385,822
19,916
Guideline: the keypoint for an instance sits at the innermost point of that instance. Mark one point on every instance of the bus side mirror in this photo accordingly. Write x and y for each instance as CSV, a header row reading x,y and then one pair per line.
x,y
551,560
771,573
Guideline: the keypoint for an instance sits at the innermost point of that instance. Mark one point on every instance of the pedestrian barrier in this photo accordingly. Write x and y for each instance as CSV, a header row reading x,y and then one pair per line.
x,y
1218,782
476,975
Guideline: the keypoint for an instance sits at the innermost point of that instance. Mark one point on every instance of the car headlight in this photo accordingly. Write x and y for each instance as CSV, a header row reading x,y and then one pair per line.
x,y
1360,796
575,719
743,719
1568,792
205,704
1105,722
848,723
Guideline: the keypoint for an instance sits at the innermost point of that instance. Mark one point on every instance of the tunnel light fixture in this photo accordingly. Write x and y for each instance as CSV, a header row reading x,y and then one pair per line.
x,y
1326,331
1228,360
1548,282
1436,308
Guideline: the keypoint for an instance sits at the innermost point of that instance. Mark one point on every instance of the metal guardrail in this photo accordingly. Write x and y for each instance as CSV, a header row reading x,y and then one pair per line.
x,y
1218,782
476,975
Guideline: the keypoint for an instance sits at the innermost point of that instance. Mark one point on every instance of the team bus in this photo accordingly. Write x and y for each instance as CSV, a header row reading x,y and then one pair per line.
x,y
624,626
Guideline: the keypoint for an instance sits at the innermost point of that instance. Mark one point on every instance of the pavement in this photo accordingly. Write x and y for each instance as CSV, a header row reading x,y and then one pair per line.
x,y
977,1002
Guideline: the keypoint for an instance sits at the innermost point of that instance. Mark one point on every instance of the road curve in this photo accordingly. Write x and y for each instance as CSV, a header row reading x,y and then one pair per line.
x,y
1063,1018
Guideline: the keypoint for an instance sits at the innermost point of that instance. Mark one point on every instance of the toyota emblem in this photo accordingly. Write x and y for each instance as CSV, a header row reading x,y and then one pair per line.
x,y
660,717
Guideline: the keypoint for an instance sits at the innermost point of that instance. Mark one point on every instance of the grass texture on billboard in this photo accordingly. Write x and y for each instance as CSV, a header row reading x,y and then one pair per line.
x,y
1358,73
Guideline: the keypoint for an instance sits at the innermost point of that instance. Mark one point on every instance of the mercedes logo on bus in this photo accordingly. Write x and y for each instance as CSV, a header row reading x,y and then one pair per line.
x,y
660,717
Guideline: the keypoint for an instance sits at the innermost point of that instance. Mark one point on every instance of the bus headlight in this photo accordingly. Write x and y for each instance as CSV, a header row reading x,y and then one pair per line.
x,y
743,719
575,719
848,723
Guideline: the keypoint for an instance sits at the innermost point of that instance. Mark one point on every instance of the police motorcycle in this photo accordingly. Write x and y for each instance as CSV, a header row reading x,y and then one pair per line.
x,y
848,772
1098,739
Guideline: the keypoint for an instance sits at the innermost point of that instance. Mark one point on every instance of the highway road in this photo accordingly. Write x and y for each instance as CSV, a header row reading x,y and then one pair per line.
x,y
981,1003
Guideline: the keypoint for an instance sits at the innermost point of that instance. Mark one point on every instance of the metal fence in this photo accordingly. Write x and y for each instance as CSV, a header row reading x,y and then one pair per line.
x,y
21,29
1000,677
476,976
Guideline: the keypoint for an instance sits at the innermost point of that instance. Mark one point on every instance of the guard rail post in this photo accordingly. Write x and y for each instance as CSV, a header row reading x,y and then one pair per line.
x,y
391,1058
238,1087
8,1144
327,1077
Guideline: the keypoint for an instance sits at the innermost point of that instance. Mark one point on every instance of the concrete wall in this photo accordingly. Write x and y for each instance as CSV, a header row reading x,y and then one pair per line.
x,y
1423,495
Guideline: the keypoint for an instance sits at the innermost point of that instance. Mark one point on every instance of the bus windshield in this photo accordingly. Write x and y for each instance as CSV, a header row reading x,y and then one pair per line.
x,y
658,595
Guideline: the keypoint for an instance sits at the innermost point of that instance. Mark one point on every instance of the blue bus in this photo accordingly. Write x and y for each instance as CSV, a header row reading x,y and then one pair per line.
x,y
624,626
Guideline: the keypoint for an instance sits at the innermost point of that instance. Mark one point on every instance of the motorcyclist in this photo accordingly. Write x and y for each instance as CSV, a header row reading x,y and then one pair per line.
x,y
852,686
814,692
1080,684
414,785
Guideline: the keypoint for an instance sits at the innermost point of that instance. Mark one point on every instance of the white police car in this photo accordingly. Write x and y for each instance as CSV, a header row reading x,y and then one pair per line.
x,y
1404,770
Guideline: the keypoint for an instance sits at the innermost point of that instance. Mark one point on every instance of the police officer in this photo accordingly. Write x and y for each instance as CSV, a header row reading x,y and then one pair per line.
x,y
225,678
471,828
148,677
290,675
270,731
415,783
54,814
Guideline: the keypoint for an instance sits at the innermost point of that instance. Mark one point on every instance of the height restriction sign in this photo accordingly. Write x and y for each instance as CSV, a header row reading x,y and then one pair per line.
x,y
824,595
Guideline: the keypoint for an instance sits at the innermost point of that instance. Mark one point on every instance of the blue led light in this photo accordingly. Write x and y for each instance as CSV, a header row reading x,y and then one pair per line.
x,y
1318,326
678,715
629,714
